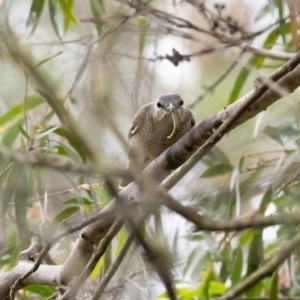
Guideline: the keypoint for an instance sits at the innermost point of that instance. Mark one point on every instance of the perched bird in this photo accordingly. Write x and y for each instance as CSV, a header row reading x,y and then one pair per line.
x,y
155,127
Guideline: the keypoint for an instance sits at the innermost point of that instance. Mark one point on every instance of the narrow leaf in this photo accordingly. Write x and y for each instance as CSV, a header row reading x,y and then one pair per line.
x,y
53,11
218,170
35,13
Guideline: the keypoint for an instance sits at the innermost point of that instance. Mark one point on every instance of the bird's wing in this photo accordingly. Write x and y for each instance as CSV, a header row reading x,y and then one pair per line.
x,y
138,120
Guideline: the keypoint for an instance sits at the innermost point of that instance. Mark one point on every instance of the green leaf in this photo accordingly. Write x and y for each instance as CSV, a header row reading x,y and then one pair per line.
x,y
11,134
142,23
23,132
65,214
103,194
237,266
255,62
30,102
14,115
53,11
226,262
98,8
63,149
274,287
67,9
217,170
41,290
20,190
12,259
78,200
216,288
10,115
255,255
246,238
107,258
35,13
256,290
265,201
73,141
48,59
280,8
206,287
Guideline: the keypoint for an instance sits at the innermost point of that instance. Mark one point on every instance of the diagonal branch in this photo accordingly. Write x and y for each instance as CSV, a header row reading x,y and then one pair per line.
x,y
203,137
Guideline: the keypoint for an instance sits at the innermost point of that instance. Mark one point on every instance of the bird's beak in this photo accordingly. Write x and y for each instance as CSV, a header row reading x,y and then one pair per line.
x,y
170,107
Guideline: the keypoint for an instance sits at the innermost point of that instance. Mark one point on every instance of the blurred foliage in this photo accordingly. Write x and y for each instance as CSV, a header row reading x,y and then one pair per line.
x,y
227,186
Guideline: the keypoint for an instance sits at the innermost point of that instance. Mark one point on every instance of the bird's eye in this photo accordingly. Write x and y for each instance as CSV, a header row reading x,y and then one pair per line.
x,y
159,105
181,102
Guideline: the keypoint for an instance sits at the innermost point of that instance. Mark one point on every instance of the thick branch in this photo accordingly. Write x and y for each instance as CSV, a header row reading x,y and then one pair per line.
x,y
287,79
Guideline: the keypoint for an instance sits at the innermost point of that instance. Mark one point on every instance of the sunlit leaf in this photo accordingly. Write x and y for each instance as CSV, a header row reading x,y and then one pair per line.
x,y
206,287
216,288
10,115
142,23
67,9
13,115
107,258
121,240
95,273
41,290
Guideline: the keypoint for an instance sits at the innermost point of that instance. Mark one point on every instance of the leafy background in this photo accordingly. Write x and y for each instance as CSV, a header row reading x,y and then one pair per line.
x,y
102,60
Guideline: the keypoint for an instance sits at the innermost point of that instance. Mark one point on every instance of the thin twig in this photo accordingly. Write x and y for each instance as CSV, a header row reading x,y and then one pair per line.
x,y
100,250
114,267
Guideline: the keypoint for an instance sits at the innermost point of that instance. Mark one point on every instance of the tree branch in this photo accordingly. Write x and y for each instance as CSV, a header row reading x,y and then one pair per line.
x,y
204,135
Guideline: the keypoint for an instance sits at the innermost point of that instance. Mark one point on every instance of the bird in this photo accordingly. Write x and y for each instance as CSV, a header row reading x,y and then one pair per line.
x,y
155,127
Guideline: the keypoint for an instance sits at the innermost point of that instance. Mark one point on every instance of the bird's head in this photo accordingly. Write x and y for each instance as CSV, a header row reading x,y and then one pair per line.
x,y
169,102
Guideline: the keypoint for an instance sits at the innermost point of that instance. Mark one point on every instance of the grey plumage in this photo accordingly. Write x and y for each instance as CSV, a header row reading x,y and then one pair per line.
x,y
151,126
